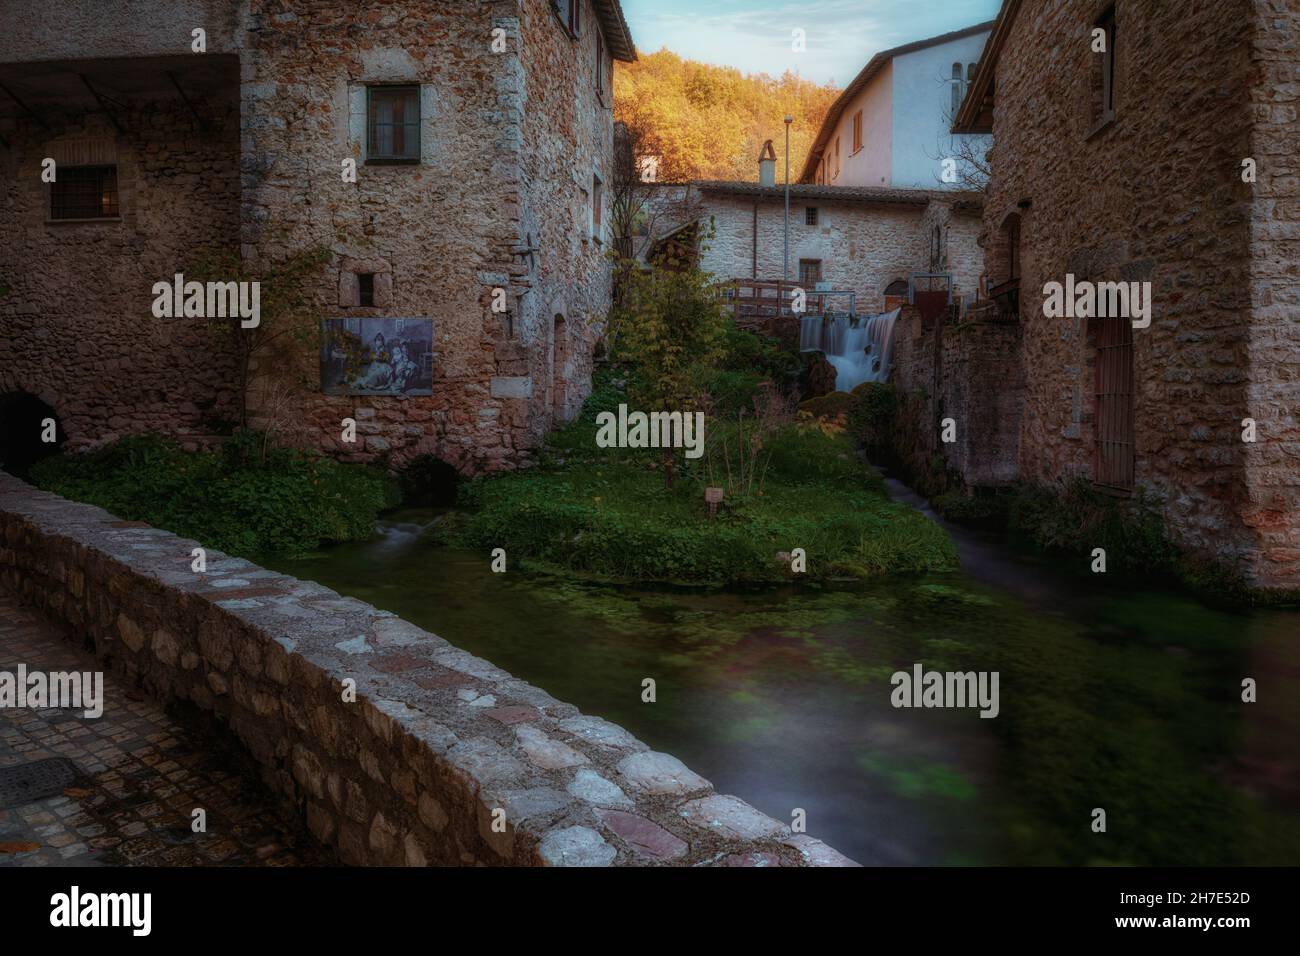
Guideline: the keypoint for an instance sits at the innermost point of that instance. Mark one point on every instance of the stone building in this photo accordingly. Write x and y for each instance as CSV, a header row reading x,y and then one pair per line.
x,y
481,133
867,241
1166,155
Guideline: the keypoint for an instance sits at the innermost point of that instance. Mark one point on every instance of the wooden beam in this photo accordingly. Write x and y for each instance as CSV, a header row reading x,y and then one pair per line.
x,y
190,106
102,104
25,108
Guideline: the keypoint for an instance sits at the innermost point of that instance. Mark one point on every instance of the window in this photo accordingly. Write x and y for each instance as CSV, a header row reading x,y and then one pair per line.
x,y
366,288
936,248
810,215
393,124
84,192
1114,443
1101,79
837,158
570,14
957,91
810,273
857,131
597,200
600,64
1107,23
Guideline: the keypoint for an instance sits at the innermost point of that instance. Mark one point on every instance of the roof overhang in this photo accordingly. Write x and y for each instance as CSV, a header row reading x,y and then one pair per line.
x,y
960,200
976,112
859,83
614,25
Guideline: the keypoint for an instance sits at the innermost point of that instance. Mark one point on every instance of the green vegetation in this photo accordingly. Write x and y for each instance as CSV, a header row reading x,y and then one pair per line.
x,y
605,513
248,499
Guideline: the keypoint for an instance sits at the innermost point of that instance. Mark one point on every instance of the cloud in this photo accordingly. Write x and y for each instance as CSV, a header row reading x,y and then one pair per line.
x,y
755,35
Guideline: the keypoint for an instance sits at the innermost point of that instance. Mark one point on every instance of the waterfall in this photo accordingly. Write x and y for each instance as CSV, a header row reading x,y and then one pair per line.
x,y
859,354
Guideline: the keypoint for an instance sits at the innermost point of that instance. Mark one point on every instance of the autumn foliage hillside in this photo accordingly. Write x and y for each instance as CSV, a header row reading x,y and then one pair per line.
x,y
709,122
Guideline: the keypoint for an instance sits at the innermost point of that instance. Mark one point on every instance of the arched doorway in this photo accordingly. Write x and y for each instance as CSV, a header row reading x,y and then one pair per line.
x,y
25,423
559,359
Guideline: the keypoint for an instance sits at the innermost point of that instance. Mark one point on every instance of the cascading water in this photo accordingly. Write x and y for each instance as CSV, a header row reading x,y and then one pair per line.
x,y
859,354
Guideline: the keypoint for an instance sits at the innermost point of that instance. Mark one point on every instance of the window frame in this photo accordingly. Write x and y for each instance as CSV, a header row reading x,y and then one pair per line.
x,y
597,208
365,279
419,117
811,214
62,172
810,286
857,132
569,13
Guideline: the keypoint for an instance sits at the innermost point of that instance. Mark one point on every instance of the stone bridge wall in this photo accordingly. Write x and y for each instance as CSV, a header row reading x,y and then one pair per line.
x,y
436,740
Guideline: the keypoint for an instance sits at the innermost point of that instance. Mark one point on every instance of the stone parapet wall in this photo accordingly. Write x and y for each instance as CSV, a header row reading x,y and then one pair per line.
x,y
437,743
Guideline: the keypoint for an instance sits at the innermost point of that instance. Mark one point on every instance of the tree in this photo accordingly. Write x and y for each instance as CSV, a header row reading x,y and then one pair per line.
x,y
670,327
708,122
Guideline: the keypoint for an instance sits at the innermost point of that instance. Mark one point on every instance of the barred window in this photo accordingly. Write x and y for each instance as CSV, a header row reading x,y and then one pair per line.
x,y
810,215
84,192
394,124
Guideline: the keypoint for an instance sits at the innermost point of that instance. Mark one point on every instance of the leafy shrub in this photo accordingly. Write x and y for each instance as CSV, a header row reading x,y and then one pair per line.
x,y
1078,518
871,415
744,351
831,406
246,499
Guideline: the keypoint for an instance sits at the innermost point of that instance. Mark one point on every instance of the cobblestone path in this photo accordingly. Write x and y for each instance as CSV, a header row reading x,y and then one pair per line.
x,y
140,776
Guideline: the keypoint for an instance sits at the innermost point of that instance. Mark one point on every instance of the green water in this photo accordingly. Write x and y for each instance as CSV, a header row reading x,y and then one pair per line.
x,y
1111,697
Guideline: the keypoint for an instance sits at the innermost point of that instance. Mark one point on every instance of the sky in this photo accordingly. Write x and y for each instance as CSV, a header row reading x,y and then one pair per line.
x,y
757,35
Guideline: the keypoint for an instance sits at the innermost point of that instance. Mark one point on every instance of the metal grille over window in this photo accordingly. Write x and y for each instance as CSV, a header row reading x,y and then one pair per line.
x,y
394,133
84,192
1115,446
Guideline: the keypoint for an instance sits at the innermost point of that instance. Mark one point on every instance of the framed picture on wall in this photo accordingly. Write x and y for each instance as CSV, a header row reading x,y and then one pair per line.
x,y
377,356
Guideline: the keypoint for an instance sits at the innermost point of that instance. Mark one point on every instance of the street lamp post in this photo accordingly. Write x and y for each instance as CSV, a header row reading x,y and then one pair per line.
x,y
785,256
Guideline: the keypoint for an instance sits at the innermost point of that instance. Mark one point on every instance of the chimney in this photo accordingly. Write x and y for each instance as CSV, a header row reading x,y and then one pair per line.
x,y
767,165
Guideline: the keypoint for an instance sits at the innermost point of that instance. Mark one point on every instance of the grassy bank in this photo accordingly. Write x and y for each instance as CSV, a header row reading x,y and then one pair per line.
x,y
607,513
246,499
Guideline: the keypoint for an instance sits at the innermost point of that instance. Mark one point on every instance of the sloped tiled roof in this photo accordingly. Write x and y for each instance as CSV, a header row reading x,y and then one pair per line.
x,y
852,194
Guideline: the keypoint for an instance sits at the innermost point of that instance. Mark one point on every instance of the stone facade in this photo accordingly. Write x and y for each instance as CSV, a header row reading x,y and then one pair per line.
x,y
394,746
969,371
75,327
514,143
863,240
1153,191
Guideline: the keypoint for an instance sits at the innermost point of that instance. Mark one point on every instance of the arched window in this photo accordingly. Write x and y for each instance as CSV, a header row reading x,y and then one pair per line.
x,y
956,88
970,73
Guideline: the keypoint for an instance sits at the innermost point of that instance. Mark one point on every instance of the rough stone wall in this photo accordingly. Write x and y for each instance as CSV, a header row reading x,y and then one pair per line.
x,y
504,137
76,328
434,747
1154,195
862,247
969,371
568,141
501,198
1273,463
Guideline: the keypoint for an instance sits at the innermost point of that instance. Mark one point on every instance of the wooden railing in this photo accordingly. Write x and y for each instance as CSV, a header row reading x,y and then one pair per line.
x,y
761,303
